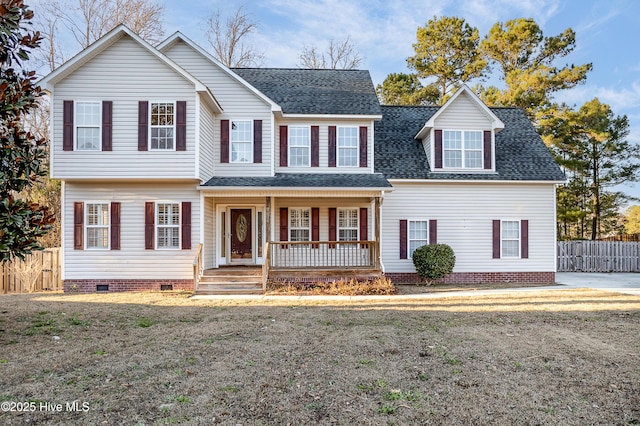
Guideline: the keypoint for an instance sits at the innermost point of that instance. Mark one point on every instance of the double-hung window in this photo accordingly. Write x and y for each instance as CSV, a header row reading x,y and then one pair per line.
x,y
348,224
299,224
162,126
510,238
347,146
97,226
299,146
241,141
168,225
418,235
462,149
88,120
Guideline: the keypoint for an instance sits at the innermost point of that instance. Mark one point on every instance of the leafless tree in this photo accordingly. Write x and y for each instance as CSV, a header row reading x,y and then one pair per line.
x,y
227,39
339,55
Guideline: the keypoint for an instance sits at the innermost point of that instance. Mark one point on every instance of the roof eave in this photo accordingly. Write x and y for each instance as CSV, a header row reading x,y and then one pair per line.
x,y
293,188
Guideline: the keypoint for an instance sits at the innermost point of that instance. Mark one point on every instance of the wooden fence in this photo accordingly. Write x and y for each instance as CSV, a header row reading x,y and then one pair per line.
x,y
38,272
598,256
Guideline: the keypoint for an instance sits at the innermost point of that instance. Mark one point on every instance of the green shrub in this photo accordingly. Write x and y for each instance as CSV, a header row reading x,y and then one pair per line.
x,y
434,261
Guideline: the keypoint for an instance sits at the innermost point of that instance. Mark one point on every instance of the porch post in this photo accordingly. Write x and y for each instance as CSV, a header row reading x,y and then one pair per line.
x,y
268,218
377,232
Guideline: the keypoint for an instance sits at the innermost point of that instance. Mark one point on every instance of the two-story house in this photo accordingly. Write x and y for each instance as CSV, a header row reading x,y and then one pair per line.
x,y
175,167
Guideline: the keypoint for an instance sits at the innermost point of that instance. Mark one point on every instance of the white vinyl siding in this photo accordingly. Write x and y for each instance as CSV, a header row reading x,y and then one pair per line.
x,y
418,235
464,114
299,146
132,261
510,239
241,141
299,224
347,146
124,73
348,224
162,126
207,141
167,226
97,226
465,212
239,103
88,119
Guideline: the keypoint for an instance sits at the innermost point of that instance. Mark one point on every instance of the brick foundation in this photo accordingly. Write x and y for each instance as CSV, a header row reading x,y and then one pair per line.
x,y
478,277
90,286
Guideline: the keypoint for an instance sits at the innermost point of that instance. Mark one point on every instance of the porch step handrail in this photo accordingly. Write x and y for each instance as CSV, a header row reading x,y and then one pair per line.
x,y
265,266
323,255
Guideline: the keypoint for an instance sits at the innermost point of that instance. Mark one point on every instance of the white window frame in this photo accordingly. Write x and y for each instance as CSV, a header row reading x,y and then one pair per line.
x,y
158,226
162,126
299,228
243,142
503,239
77,126
290,145
409,235
356,228
463,149
106,226
339,157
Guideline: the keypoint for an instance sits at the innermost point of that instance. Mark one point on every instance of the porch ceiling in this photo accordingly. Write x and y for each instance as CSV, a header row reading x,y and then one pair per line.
x,y
302,181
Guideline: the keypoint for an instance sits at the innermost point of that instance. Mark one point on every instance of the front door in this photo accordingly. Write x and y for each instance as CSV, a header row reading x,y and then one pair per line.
x,y
241,236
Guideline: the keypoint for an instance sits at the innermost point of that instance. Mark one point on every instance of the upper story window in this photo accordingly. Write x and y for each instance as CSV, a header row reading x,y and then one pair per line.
x,y
241,141
88,120
348,224
168,225
347,146
462,149
299,146
162,125
97,226
299,224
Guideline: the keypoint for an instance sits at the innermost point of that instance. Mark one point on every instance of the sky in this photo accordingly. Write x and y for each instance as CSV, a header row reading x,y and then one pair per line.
x,y
383,33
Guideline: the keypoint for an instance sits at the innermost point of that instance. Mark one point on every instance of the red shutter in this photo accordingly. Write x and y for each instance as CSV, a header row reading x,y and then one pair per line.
x,y
67,126
181,126
107,131
433,231
115,226
149,228
315,146
186,225
284,225
332,146
333,228
438,149
487,149
524,239
143,126
284,145
257,141
364,225
403,239
78,225
315,225
496,239
224,141
363,146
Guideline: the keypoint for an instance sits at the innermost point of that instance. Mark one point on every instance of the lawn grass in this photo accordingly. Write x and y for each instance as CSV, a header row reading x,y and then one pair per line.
x,y
567,357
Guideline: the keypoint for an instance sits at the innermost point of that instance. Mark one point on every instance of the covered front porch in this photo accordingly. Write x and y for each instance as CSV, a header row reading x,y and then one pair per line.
x,y
293,232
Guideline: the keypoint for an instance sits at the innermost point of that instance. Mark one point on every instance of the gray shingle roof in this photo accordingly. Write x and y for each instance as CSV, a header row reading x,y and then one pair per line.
x,y
304,180
305,91
520,153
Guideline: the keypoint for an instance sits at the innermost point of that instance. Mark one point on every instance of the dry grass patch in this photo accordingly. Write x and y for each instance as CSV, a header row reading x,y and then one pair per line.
x,y
379,286
543,357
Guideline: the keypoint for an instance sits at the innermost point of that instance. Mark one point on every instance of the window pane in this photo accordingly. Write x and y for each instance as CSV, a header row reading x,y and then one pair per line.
x,y
162,138
473,159
473,140
299,142
98,237
510,229
88,138
299,224
347,146
241,152
510,248
452,139
162,114
418,234
87,113
452,158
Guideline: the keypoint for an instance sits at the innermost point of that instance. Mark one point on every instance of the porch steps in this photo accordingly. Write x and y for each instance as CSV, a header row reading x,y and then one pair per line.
x,y
231,280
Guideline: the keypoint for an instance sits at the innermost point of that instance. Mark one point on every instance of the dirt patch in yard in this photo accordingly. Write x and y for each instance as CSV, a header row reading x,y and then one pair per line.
x,y
568,357
438,288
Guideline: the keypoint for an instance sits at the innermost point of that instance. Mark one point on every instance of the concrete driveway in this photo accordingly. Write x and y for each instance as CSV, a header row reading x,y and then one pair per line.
x,y
628,283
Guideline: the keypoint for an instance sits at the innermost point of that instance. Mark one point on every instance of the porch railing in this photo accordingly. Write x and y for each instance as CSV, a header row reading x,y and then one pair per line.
x,y
323,255
197,267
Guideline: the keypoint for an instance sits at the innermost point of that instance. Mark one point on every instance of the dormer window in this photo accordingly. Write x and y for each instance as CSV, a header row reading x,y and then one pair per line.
x,y
462,149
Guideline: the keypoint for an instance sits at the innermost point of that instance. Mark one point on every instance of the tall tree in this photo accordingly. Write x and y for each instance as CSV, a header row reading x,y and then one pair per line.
x,y
406,89
447,51
525,59
632,220
591,145
227,38
339,55
22,155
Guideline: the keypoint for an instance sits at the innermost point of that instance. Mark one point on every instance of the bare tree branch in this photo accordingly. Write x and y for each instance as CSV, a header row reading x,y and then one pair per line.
x,y
339,55
227,39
